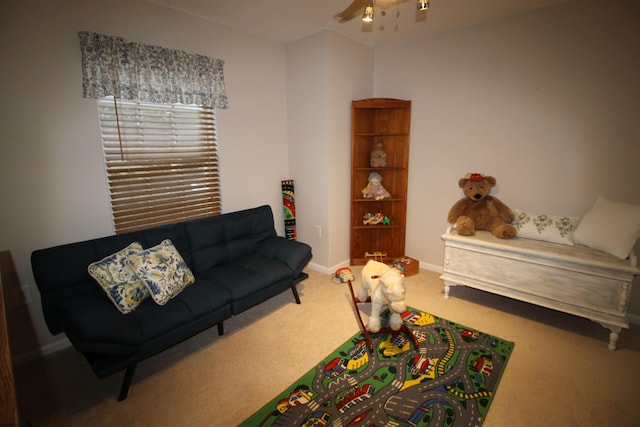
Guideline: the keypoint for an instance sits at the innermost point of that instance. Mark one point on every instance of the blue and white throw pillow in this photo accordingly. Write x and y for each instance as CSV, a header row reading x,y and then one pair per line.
x,y
163,271
118,280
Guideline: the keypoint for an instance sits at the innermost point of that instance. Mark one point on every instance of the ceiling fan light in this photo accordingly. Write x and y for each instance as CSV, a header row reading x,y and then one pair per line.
x,y
423,4
367,16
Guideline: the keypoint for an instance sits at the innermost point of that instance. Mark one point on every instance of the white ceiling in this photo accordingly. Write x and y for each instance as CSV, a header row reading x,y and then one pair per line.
x,y
284,21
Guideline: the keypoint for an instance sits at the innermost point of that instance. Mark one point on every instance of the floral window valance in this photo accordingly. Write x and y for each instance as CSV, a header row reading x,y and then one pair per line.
x,y
133,71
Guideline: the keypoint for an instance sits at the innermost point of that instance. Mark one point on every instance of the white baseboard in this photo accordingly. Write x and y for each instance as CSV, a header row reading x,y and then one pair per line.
x,y
633,319
45,350
328,270
346,263
63,343
320,268
431,267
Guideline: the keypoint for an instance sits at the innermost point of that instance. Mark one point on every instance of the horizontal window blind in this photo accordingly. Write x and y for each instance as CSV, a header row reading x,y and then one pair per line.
x,y
161,162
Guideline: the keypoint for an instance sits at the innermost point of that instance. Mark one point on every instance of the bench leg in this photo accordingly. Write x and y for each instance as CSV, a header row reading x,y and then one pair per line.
x,y
295,294
447,289
613,336
126,382
220,329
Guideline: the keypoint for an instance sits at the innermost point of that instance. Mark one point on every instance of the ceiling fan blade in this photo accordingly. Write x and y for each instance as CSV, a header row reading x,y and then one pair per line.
x,y
350,11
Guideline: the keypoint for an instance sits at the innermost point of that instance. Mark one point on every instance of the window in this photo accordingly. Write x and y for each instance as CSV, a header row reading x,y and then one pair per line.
x,y
161,162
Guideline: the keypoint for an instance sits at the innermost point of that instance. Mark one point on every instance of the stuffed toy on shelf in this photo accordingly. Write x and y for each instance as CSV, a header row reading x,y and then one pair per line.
x,y
478,210
374,188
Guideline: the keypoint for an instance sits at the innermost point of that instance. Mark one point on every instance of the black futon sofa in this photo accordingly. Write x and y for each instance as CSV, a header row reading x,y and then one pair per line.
x,y
238,262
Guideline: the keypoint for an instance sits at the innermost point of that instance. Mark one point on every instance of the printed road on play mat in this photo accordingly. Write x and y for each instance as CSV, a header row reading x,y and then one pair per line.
x,y
449,380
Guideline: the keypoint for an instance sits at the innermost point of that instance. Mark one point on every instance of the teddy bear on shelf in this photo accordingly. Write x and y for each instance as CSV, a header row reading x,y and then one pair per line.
x,y
374,189
480,211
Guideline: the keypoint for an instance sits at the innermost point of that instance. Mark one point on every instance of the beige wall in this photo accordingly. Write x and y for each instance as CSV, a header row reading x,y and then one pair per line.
x,y
325,72
545,101
53,187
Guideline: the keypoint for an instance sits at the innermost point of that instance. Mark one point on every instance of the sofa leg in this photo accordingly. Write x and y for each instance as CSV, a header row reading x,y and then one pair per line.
x,y
126,382
295,294
220,329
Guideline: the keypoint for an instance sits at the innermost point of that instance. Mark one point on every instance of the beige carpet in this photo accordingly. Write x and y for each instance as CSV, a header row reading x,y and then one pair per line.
x,y
560,373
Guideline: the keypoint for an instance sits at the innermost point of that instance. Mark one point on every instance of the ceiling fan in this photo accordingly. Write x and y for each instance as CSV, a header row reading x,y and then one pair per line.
x,y
357,5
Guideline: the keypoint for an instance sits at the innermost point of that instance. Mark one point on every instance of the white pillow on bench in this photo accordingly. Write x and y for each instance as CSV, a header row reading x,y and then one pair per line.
x,y
550,228
612,227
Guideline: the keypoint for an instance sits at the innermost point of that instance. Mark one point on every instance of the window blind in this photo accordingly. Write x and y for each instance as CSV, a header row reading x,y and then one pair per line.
x,y
161,162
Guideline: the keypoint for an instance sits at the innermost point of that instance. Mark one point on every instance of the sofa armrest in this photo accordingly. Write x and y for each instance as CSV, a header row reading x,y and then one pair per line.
x,y
292,253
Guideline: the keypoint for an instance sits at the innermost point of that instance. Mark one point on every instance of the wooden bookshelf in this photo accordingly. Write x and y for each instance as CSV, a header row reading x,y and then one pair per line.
x,y
379,121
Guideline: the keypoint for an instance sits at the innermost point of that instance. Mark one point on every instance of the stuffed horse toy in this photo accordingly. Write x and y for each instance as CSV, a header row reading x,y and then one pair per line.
x,y
385,286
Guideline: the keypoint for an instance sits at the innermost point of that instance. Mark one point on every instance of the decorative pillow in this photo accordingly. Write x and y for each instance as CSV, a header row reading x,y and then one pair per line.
x,y
115,276
551,228
612,227
163,271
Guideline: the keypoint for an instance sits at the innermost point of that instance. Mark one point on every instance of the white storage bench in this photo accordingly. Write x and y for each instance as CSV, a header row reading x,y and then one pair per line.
x,y
573,279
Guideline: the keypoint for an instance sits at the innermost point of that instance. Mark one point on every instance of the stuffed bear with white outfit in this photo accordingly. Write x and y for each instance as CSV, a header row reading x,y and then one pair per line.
x,y
385,286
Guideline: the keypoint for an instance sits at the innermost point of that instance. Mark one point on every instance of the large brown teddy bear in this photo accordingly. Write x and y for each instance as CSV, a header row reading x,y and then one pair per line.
x,y
480,211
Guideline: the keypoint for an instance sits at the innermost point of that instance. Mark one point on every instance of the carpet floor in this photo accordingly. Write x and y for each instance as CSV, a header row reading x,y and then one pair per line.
x,y
560,372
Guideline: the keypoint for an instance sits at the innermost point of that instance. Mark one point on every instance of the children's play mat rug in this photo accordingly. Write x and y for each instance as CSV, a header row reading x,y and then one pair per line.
x,y
449,380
